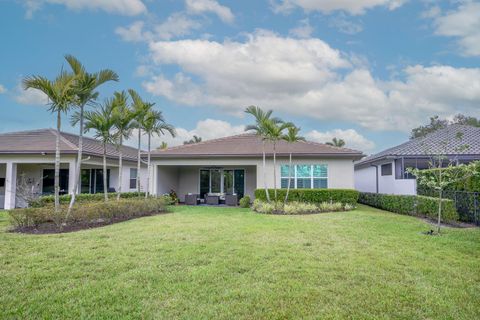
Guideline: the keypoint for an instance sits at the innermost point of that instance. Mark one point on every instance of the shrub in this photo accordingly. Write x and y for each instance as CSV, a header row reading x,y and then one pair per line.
x,y
83,197
245,202
313,195
330,206
295,207
88,213
299,208
410,205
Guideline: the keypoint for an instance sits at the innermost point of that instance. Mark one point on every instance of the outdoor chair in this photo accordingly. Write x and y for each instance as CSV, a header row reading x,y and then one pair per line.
x,y
191,199
212,199
231,199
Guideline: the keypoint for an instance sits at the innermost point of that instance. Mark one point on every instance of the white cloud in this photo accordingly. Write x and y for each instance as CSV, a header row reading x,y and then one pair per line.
x,y
206,129
463,23
354,7
342,24
307,77
30,96
122,7
176,25
204,6
2,89
351,137
303,30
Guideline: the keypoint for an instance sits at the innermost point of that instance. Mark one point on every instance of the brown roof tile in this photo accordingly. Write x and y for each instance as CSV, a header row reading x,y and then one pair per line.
x,y
248,144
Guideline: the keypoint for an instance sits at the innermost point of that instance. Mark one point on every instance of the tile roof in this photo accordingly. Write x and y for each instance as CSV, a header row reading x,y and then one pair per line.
x,y
245,145
43,140
442,141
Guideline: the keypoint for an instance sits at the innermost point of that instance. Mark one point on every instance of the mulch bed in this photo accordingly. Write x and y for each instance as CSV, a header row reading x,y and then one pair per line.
x,y
52,228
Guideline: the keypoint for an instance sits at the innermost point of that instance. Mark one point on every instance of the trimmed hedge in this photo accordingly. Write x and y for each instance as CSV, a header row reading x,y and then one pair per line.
x,y
88,213
420,206
470,184
83,197
344,196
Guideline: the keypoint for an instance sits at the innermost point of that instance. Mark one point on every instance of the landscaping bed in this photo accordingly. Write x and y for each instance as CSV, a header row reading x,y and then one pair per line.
x,y
298,208
40,220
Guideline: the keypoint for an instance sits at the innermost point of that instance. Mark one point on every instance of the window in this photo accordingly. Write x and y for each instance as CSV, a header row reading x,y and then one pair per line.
x,y
386,169
133,178
229,181
48,181
304,176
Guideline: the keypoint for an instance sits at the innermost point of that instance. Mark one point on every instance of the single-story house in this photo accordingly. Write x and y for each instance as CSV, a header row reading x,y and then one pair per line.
x,y
385,172
29,157
233,165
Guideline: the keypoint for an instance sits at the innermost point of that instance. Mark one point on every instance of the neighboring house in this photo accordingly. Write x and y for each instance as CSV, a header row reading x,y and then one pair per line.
x,y
385,172
233,165
30,155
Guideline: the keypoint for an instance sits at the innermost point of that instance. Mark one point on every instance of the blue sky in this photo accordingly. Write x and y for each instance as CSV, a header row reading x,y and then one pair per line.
x,y
366,71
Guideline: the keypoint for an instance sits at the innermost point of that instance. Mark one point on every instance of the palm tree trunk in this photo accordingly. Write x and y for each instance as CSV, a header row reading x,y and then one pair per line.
x,y
120,168
105,187
275,172
265,173
57,164
289,177
78,168
148,168
138,162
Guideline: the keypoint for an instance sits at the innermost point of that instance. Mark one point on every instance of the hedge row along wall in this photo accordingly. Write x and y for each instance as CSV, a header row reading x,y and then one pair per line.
x,y
471,184
83,197
345,196
419,206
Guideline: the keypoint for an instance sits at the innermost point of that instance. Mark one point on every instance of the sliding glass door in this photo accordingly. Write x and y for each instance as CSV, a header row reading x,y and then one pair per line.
x,y
228,181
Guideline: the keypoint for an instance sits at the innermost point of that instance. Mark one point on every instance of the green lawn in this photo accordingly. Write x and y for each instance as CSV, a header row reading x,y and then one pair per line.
x,y
220,263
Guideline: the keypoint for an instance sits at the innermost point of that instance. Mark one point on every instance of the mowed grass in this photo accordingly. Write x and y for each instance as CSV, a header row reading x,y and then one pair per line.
x,y
225,263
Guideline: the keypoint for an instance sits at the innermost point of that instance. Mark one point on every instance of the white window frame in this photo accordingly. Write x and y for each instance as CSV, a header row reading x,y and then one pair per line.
x,y
295,178
135,178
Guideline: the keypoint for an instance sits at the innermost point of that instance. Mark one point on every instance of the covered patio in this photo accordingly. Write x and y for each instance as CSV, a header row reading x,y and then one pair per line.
x,y
203,183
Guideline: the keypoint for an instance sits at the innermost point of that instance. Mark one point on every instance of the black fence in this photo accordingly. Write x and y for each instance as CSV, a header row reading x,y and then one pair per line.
x,y
467,203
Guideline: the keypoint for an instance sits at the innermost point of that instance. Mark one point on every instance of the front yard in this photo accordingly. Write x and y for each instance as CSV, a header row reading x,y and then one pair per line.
x,y
226,263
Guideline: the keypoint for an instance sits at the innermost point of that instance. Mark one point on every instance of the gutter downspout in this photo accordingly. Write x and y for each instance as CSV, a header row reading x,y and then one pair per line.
x,y
376,175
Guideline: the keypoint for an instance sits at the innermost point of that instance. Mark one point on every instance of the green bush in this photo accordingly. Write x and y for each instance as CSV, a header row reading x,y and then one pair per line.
x,y
295,207
410,205
245,202
312,195
469,184
83,197
88,213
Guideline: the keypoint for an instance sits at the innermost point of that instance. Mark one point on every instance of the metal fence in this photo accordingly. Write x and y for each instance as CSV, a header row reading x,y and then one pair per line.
x,y
467,204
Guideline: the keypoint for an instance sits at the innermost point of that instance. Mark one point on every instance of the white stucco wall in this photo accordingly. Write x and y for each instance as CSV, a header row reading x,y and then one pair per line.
x,y
365,181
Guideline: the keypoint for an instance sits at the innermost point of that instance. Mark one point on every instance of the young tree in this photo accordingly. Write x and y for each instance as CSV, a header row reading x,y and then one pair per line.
x,y
291,137
441,175
274,133
102,122
141,109
61,94
86,85
154,124
123,118
336,142
260,129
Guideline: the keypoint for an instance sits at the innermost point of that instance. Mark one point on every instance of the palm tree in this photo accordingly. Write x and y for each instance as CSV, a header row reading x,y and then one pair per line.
x,y
154,123
123,118
61,95
195,139
163,146
261,118
102,122
85,86
141,109
274,133
291,137
336,142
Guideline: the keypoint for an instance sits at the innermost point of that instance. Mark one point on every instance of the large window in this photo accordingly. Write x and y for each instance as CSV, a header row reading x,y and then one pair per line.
x,y
48,181
304,176
228,181
92,180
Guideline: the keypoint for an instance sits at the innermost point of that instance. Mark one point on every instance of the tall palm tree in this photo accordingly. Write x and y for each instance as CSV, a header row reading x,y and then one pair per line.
x,y
154,123
86,85
102,122
141,109
274,133
61,95
291,137
336,142
123,118
260,129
